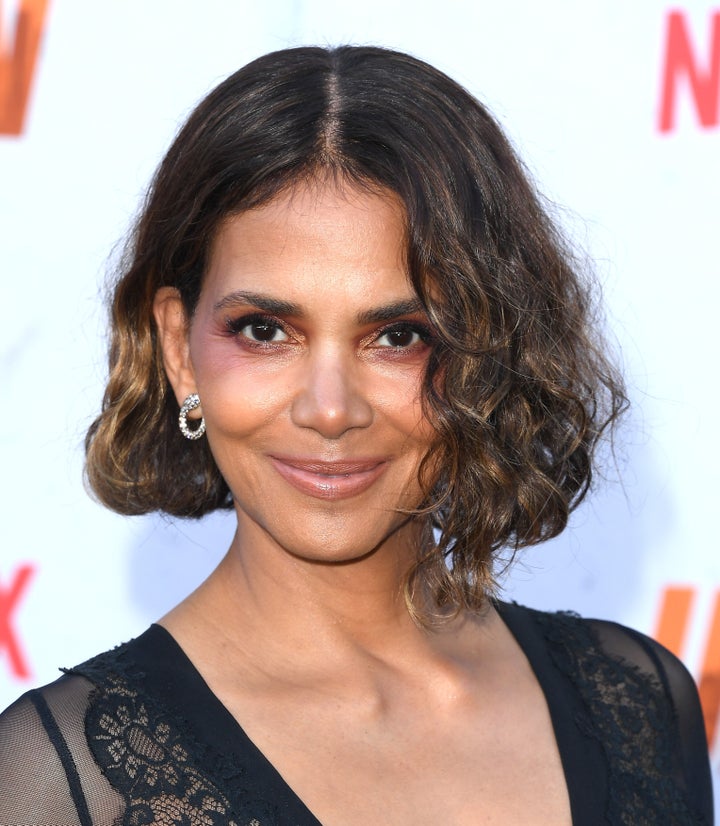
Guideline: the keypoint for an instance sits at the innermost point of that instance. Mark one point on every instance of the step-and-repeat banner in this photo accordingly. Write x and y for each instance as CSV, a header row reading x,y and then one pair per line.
x,y
615,108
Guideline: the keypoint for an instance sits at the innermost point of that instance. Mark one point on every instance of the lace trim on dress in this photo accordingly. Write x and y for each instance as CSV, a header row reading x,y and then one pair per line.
x,y
149,755
631,716
144,756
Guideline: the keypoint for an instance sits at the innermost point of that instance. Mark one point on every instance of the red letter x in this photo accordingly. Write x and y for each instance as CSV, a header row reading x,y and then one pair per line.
x,y
9,599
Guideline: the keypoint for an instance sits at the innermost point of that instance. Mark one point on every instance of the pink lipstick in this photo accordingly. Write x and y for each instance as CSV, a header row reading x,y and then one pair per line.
x,y
339,479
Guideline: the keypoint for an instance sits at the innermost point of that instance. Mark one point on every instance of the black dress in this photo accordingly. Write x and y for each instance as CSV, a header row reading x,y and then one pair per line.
x,y
135,736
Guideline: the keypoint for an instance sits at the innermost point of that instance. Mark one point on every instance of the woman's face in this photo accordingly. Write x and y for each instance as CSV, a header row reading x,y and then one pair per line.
x,y
308,348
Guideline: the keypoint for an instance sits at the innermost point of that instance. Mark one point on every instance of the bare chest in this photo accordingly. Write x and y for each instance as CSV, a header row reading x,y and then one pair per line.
x,y
499,767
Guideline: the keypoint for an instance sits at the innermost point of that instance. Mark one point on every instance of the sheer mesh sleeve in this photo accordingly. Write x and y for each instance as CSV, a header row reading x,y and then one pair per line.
x,y
47,775
691,764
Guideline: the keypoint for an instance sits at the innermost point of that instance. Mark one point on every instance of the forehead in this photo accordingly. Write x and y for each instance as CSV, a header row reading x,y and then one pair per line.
x,y
315,234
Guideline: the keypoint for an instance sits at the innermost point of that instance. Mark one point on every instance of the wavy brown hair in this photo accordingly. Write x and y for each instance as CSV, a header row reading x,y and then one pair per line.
x,y
517,385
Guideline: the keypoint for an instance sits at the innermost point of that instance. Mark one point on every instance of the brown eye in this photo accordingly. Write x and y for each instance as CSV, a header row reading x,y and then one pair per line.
x,y
262,331
403,336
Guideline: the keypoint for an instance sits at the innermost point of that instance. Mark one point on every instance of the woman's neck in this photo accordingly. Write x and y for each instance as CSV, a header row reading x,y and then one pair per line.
x,y
264,604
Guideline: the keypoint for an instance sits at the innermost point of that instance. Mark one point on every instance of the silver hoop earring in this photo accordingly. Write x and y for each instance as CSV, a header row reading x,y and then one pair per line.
x,y
190,403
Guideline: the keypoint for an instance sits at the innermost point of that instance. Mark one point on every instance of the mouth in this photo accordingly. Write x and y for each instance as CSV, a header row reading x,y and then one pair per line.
x,y
340,479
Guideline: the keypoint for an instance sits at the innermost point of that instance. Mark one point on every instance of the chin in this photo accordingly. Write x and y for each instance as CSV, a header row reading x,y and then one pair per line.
x,y
337,540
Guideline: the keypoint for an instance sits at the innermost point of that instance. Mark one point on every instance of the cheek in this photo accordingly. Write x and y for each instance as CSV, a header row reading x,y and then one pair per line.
x,y
399,404
402,394
237,394
420,433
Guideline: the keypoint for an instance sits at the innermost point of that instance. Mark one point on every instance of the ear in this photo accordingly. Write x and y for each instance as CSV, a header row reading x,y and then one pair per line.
x,y
173,333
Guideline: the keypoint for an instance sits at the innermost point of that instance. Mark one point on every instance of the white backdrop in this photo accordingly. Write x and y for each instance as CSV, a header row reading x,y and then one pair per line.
x,y
579,87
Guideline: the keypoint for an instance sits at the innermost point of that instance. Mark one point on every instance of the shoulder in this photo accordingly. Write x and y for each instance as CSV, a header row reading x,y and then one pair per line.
x,y
603,657
647,656
35,723
638,701
615,649
44,760
46,763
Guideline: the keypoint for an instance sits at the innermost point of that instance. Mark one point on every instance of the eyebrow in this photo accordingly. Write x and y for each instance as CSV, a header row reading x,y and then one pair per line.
x,y
276,306
390,311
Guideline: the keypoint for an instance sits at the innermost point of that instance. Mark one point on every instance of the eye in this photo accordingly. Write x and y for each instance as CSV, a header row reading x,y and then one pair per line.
x,y
264,331
259,329
403,336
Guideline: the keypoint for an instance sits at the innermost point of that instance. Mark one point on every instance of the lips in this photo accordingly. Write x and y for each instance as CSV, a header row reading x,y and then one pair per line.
x,y
329,480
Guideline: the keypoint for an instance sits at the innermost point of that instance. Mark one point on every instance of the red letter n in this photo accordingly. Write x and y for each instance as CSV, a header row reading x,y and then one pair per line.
x,y
680,61
18,57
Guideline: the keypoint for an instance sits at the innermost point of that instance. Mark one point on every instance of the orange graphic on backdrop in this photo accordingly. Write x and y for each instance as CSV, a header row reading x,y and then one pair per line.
x,y
18,58
672,627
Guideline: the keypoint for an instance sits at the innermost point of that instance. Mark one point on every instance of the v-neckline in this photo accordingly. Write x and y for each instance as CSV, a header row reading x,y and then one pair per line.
x,y
182,688
583,762
185,692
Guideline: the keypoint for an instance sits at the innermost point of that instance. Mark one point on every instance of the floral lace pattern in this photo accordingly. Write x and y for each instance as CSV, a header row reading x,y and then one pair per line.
x,y
144,758
628,713
141,737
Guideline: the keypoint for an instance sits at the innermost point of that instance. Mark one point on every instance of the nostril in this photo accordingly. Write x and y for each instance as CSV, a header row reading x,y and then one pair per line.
x,y
331,402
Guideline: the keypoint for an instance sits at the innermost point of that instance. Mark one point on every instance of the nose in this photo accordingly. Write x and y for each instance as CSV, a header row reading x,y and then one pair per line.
x,y
331,398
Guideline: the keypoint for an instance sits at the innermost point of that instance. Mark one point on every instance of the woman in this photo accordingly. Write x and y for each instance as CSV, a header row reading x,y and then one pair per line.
x,y
345,315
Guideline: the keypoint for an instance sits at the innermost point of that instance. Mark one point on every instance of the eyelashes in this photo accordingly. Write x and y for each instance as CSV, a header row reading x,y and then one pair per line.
x,y
258,328
261,331
405,334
